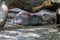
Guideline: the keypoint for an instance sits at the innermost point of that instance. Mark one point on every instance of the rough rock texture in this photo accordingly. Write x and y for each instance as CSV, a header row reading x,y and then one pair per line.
x,y
55,1
29,5
32,33
56,4
3,14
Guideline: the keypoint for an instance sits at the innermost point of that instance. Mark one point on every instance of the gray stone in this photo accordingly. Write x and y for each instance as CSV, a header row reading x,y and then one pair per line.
x,y
29,5
3,14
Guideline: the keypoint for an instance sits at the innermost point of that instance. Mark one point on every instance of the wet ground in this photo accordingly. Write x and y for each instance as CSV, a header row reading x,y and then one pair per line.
x,y
49,32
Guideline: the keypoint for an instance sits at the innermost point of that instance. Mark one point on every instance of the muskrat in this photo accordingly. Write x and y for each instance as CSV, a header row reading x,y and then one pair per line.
x,y
27,19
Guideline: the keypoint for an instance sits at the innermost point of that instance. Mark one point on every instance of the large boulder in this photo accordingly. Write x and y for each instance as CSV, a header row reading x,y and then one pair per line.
x,y
29,5
3,14
56,4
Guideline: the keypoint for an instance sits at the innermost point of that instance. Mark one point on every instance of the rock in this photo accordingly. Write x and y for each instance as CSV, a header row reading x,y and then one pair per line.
x,y
15,10
29,5
3,14
26,18
56,1
56,4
